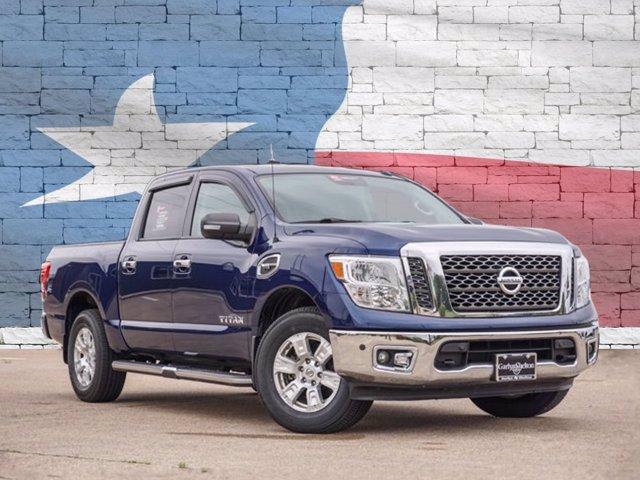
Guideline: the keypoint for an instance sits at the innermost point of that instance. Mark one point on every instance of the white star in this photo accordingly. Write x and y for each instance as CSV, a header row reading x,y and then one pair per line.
x,y
134,149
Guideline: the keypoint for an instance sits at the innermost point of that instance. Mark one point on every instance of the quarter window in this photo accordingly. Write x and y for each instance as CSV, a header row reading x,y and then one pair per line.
x,y
165,216
217,198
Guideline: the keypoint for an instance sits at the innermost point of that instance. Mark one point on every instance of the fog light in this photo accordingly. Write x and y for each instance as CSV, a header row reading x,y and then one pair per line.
x,y
563,343
402,359
394,359
383,357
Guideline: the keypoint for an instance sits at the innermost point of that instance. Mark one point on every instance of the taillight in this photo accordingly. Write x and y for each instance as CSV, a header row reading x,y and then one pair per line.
x,y
45,271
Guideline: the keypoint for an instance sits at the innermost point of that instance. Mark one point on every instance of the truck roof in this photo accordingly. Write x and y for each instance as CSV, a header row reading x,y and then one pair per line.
x,y
265,169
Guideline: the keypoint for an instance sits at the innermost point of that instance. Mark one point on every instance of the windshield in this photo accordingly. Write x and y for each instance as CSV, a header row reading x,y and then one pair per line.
x,y
346,198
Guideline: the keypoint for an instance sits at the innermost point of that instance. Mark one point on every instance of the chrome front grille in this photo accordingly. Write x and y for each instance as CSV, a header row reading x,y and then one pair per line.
x,y
420,283
472,282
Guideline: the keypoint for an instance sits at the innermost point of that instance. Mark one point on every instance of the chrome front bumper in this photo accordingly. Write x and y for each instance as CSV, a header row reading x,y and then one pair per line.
x,y
353,356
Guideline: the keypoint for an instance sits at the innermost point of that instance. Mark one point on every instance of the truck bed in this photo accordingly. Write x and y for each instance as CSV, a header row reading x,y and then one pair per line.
x,y
101,253
88,267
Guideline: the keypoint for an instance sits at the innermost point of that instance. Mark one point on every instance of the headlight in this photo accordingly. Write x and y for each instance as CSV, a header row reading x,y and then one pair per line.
x,y
583,281
373,282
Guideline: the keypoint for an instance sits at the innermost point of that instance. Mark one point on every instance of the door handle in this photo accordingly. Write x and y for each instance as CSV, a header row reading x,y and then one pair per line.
x,y
182,264
129,265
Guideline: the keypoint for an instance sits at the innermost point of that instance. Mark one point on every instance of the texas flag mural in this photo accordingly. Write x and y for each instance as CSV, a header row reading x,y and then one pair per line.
x,y
518,114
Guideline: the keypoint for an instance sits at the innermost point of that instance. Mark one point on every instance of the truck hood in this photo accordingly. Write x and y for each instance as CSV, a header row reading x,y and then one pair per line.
x,y
389,238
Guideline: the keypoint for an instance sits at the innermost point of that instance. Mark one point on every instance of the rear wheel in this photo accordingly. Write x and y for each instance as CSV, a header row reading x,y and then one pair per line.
x,y
529,405
296,379
90,359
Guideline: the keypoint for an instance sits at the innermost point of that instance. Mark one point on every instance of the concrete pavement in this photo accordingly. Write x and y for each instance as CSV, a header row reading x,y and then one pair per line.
x,y
176,429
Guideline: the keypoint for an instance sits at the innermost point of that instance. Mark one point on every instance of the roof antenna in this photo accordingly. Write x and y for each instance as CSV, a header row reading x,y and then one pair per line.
x,y
272,162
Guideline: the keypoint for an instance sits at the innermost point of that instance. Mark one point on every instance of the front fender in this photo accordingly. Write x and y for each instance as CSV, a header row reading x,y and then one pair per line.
x,y
265,289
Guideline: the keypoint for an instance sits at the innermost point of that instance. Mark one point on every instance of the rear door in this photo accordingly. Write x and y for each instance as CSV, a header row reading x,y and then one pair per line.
x,y
212,297
146,279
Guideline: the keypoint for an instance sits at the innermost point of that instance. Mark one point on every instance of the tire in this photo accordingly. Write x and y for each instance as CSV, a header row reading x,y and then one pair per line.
x,y
104,384
529,405
335,411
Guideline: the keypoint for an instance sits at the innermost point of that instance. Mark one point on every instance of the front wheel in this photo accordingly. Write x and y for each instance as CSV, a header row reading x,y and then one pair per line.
x,y
529,405
296,379
90,359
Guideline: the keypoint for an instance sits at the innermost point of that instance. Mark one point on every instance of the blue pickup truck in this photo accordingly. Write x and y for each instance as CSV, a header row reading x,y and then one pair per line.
x,y
324,289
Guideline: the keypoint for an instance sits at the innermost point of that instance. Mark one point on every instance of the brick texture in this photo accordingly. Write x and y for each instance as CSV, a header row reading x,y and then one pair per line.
x,y
519,112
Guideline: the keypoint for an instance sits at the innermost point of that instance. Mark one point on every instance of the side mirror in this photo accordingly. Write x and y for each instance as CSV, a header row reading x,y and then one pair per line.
x,y
475,221
224,226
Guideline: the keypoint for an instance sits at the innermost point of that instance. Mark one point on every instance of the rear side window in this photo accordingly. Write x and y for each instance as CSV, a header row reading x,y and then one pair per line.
x,y
166,212
217,198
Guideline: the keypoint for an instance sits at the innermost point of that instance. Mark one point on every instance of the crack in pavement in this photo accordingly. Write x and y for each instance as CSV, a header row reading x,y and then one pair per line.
x,y
263,436
74,457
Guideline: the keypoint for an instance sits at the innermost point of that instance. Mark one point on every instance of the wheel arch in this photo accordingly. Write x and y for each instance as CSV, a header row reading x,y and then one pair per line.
x,y
280,301
78,300
275,304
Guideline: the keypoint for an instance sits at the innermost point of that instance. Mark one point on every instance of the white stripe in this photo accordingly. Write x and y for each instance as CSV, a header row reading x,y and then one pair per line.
x,y
620,337
23,336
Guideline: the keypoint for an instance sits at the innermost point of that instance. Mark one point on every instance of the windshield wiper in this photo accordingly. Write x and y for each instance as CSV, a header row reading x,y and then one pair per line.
x,y
331,220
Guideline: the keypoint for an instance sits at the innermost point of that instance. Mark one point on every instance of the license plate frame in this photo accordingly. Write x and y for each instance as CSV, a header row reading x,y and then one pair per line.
x,y
516,367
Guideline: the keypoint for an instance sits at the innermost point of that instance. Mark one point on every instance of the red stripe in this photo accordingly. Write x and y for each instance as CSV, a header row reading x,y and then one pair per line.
x,y
596,208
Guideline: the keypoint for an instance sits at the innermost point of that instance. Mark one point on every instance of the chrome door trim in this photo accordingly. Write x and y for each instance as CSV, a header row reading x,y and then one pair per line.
x,y
170,326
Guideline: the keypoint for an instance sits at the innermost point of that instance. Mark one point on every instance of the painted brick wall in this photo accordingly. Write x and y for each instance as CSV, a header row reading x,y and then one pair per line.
x,y
97,97
521,112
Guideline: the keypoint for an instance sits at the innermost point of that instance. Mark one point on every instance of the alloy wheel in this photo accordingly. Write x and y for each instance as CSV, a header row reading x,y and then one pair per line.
x,y
303,372
84,357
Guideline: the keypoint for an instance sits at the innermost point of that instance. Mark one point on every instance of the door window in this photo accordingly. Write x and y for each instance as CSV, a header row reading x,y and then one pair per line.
x,y
217,198
165,216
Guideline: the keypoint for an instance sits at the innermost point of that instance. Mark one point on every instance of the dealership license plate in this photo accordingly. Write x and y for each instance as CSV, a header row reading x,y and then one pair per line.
x,y
514,367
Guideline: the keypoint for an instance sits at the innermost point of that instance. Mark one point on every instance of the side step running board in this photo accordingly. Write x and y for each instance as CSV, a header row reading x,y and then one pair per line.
x,y
183,373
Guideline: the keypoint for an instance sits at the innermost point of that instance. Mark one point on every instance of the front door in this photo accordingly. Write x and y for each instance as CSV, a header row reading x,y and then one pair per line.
x,y
146,277
212,297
